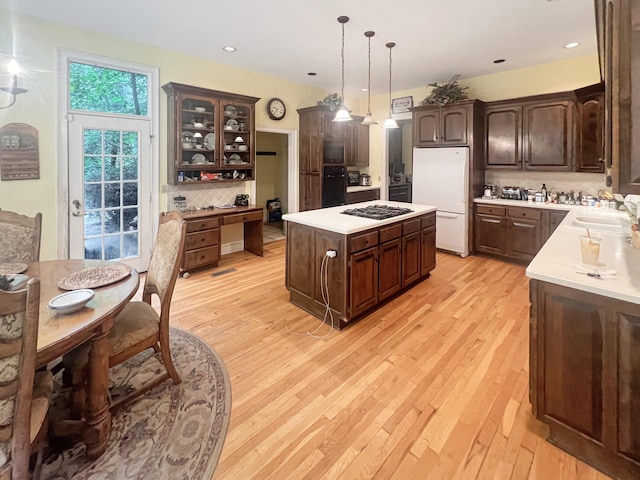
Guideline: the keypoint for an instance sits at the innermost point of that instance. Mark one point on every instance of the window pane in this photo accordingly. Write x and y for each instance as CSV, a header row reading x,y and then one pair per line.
x,y
131,244
92,169
130,168
111,168
130,194
111,142
93,142
130,216
92,196
112,221
129,143
112,195
112,247
92,224
99,89
93,249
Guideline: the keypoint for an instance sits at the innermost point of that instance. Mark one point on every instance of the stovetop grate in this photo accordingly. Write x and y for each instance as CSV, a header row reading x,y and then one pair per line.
x,y
377,212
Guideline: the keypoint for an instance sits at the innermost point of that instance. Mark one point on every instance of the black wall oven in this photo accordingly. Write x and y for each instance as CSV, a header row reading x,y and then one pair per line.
x,y
334,186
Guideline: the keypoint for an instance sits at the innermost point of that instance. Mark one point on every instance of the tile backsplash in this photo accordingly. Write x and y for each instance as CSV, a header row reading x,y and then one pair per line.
x,y
588,183
221,194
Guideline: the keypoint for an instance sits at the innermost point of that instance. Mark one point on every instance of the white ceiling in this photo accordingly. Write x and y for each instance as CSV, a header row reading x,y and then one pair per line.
x,y
435,39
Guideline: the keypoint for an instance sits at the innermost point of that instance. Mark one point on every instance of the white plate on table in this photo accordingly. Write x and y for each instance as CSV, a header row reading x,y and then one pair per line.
x,y
70,302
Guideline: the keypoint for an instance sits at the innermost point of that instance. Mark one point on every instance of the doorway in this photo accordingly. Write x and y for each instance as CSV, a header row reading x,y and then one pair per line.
x,y
400,161
272,181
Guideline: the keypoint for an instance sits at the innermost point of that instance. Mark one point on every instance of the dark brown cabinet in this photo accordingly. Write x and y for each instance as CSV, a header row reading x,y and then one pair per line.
x,y
203,126
514,232
363,278
390,264
400,193
440,126
317,127
411,247
428,245
619,47
590,129
585,346
531,133
503,141
363,196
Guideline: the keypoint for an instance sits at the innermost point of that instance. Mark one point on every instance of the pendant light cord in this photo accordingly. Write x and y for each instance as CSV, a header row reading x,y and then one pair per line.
x,y
342,56
369,80
390,45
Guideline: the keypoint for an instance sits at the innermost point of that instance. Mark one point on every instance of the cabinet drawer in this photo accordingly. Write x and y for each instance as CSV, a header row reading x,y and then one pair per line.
x,y
390,232
362,241
411,226
242,217
206,238
428,220
491,210
201,256
203,224
529,213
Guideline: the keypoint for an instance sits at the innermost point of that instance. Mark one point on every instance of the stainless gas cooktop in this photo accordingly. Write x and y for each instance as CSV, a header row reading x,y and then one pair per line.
x,y
377,212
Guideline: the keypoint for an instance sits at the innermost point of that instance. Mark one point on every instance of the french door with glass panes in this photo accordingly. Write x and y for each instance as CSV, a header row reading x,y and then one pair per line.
x,y
109,189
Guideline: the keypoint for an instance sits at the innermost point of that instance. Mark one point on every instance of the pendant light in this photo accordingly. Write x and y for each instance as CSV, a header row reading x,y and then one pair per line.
x,y
368,120
342,115
390,122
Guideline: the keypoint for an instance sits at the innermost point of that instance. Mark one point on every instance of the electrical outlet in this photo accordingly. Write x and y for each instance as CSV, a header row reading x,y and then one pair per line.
x,y
331,253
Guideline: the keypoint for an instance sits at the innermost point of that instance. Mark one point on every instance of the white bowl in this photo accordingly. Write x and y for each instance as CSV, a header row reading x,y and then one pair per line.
x,y
200,109
72,301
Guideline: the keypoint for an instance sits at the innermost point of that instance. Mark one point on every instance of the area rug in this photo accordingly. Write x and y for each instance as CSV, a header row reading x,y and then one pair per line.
x,y
172,432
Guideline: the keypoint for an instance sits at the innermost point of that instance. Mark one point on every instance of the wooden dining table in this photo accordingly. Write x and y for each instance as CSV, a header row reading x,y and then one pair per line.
x,y
59,334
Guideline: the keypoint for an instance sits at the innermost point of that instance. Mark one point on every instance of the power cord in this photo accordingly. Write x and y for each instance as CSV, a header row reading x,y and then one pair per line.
x,y
324,290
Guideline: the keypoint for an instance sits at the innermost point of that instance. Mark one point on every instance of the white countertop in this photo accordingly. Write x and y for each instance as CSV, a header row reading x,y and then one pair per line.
x,y
523,203
358,188
557,260
332,220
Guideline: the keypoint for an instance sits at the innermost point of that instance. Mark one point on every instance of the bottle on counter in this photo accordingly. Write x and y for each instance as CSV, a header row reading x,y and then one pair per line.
x,y
543,191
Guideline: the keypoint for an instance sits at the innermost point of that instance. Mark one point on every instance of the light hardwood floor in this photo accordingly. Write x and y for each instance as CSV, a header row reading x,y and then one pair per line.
x,y
434,385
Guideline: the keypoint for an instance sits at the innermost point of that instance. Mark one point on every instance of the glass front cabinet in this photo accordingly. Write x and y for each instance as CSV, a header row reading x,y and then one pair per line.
x,y
211,135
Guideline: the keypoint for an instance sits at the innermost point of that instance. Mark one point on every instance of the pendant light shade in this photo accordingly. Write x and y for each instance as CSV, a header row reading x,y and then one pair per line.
x,y
390,122
342,115
368,119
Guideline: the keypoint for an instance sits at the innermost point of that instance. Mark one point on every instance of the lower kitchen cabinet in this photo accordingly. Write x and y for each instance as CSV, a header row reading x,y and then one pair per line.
x,y
201,243
370,266
363,196
585,375
514,232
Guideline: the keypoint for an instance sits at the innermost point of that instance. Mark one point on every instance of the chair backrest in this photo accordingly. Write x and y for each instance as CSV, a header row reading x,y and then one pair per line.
x,y
165,262
19,237
19,313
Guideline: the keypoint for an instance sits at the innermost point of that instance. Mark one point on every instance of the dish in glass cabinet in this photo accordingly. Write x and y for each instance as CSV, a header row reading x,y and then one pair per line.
x,y
231,123
200,109
199,159
209,141
231,111
235,158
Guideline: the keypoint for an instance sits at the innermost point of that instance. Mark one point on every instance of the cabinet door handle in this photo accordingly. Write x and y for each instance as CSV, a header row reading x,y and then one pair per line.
x,y
525,225
490,220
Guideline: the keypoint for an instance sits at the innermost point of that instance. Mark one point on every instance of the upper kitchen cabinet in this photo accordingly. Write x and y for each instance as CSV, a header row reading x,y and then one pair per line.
x,y
531,133
619,47
435,126
210,135
590,129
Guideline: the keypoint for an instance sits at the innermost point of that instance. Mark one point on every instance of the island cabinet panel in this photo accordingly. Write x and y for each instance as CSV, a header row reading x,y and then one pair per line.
x,y
369,267
585,375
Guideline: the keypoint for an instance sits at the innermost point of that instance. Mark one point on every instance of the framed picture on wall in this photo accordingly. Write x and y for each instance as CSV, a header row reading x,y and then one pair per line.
x,y
401,105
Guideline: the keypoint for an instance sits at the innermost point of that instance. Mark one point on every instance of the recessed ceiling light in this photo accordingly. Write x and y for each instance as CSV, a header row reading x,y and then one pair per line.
x,y
552,0
312,74
499,60
572,45
229,48
364,89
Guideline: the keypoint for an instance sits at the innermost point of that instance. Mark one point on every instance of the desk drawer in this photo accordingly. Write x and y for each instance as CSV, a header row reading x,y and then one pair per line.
x,y
203,224
201,256
206,238
242,217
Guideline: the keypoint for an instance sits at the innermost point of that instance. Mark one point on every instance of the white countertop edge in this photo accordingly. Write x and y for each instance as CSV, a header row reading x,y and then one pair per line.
x,y
357,188
523,203
555,262
332,220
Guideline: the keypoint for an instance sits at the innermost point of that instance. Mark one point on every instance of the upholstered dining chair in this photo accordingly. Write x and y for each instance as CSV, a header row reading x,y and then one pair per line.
x,y
24,394
139,326
19,237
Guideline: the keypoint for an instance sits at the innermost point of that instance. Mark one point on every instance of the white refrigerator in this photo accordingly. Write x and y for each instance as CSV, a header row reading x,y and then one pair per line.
x,y
441,178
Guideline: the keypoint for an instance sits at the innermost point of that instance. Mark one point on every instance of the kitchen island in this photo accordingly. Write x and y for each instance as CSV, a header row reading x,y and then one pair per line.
x,y
585,343
374,260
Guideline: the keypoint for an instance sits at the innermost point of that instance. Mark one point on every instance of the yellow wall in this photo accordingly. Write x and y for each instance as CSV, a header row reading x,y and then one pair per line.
x,y
35,44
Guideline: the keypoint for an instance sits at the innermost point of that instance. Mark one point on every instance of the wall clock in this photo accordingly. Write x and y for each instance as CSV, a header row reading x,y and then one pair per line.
x,y
276,109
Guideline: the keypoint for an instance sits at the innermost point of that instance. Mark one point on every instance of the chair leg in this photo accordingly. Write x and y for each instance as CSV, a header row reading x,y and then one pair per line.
x,y
168,363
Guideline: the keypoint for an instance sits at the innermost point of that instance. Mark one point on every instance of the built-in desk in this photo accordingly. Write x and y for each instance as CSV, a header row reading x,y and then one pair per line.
x,y
202,246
